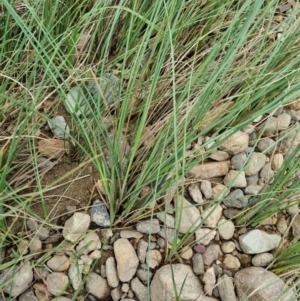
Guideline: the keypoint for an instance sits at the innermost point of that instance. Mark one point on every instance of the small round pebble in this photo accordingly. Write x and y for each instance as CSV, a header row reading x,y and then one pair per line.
x,y
228,247
262,260
231,263
199,249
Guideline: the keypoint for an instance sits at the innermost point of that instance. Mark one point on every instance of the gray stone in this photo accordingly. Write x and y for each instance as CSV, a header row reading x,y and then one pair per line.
x,y
35,246
148,226
206,189
231,263
238,161
168,234
204,236
127,261
57,283
253,189
255,163
236,199
99,214
74,102
188,215
178,275
40,231
231,213
74,274
235,179
111,272
210,170
236,143
198,264
144,274
97,286
211,254
261,285
266,145
252,180
209,278
218,155
274,124
28,296
257,241
89,243
267,173
76,226
142,250
17,279
211,215
195,193
262,260
58,263
167,219
226,229
139,289
226,289
59,127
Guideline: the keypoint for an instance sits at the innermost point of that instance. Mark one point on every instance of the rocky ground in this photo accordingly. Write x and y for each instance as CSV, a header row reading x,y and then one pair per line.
x,y
220,262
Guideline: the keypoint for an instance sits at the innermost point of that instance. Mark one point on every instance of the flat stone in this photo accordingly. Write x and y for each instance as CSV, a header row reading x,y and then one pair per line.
x,y
238,161
226,289
200,249
209,278
99,214
212,215
211,254
235,179
277,162
210,170
266,145
206,189
76,226
52,148
198,264
231,213
127,260
16,280
167,219
262,285
218,155
139,289
141,250
59,127
130,234
262,260
186,253
236,199
148,226
97,286
231,263
226,229
195,193
253,189
89,243
237,143
228,247
282,225
57,283
179,275
219,192
111,272
252,180
153,258
257,241
255,163
58,263
204,236
74,274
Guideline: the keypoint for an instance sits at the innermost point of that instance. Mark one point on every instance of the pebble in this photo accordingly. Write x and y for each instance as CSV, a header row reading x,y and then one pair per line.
x,y
267,173
206,189
153,258
144,275
127,260
89,243
97,286
237,143
281,225
148,226
296,226
238,161
265,284
99,214
266,145
178,275
59,127
116,294
219,192
58,263
52,148
231,263
16,280
195,193
211,254
257,241
277,162
40,231
168,234
235,179
167,219
262,260
209,278
35,246
204,236
231,213
226,289
141,250
74,102
198,264
111,272
226,228
27,296
76,226
212,215
130,234
218,155
255,163
228,247
186,253
252,180
253,189
57,283
236,199
210,170
139,289
74,274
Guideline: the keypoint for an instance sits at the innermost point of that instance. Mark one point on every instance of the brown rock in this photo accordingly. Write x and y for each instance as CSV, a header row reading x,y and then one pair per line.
x,y
210,170
52,147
